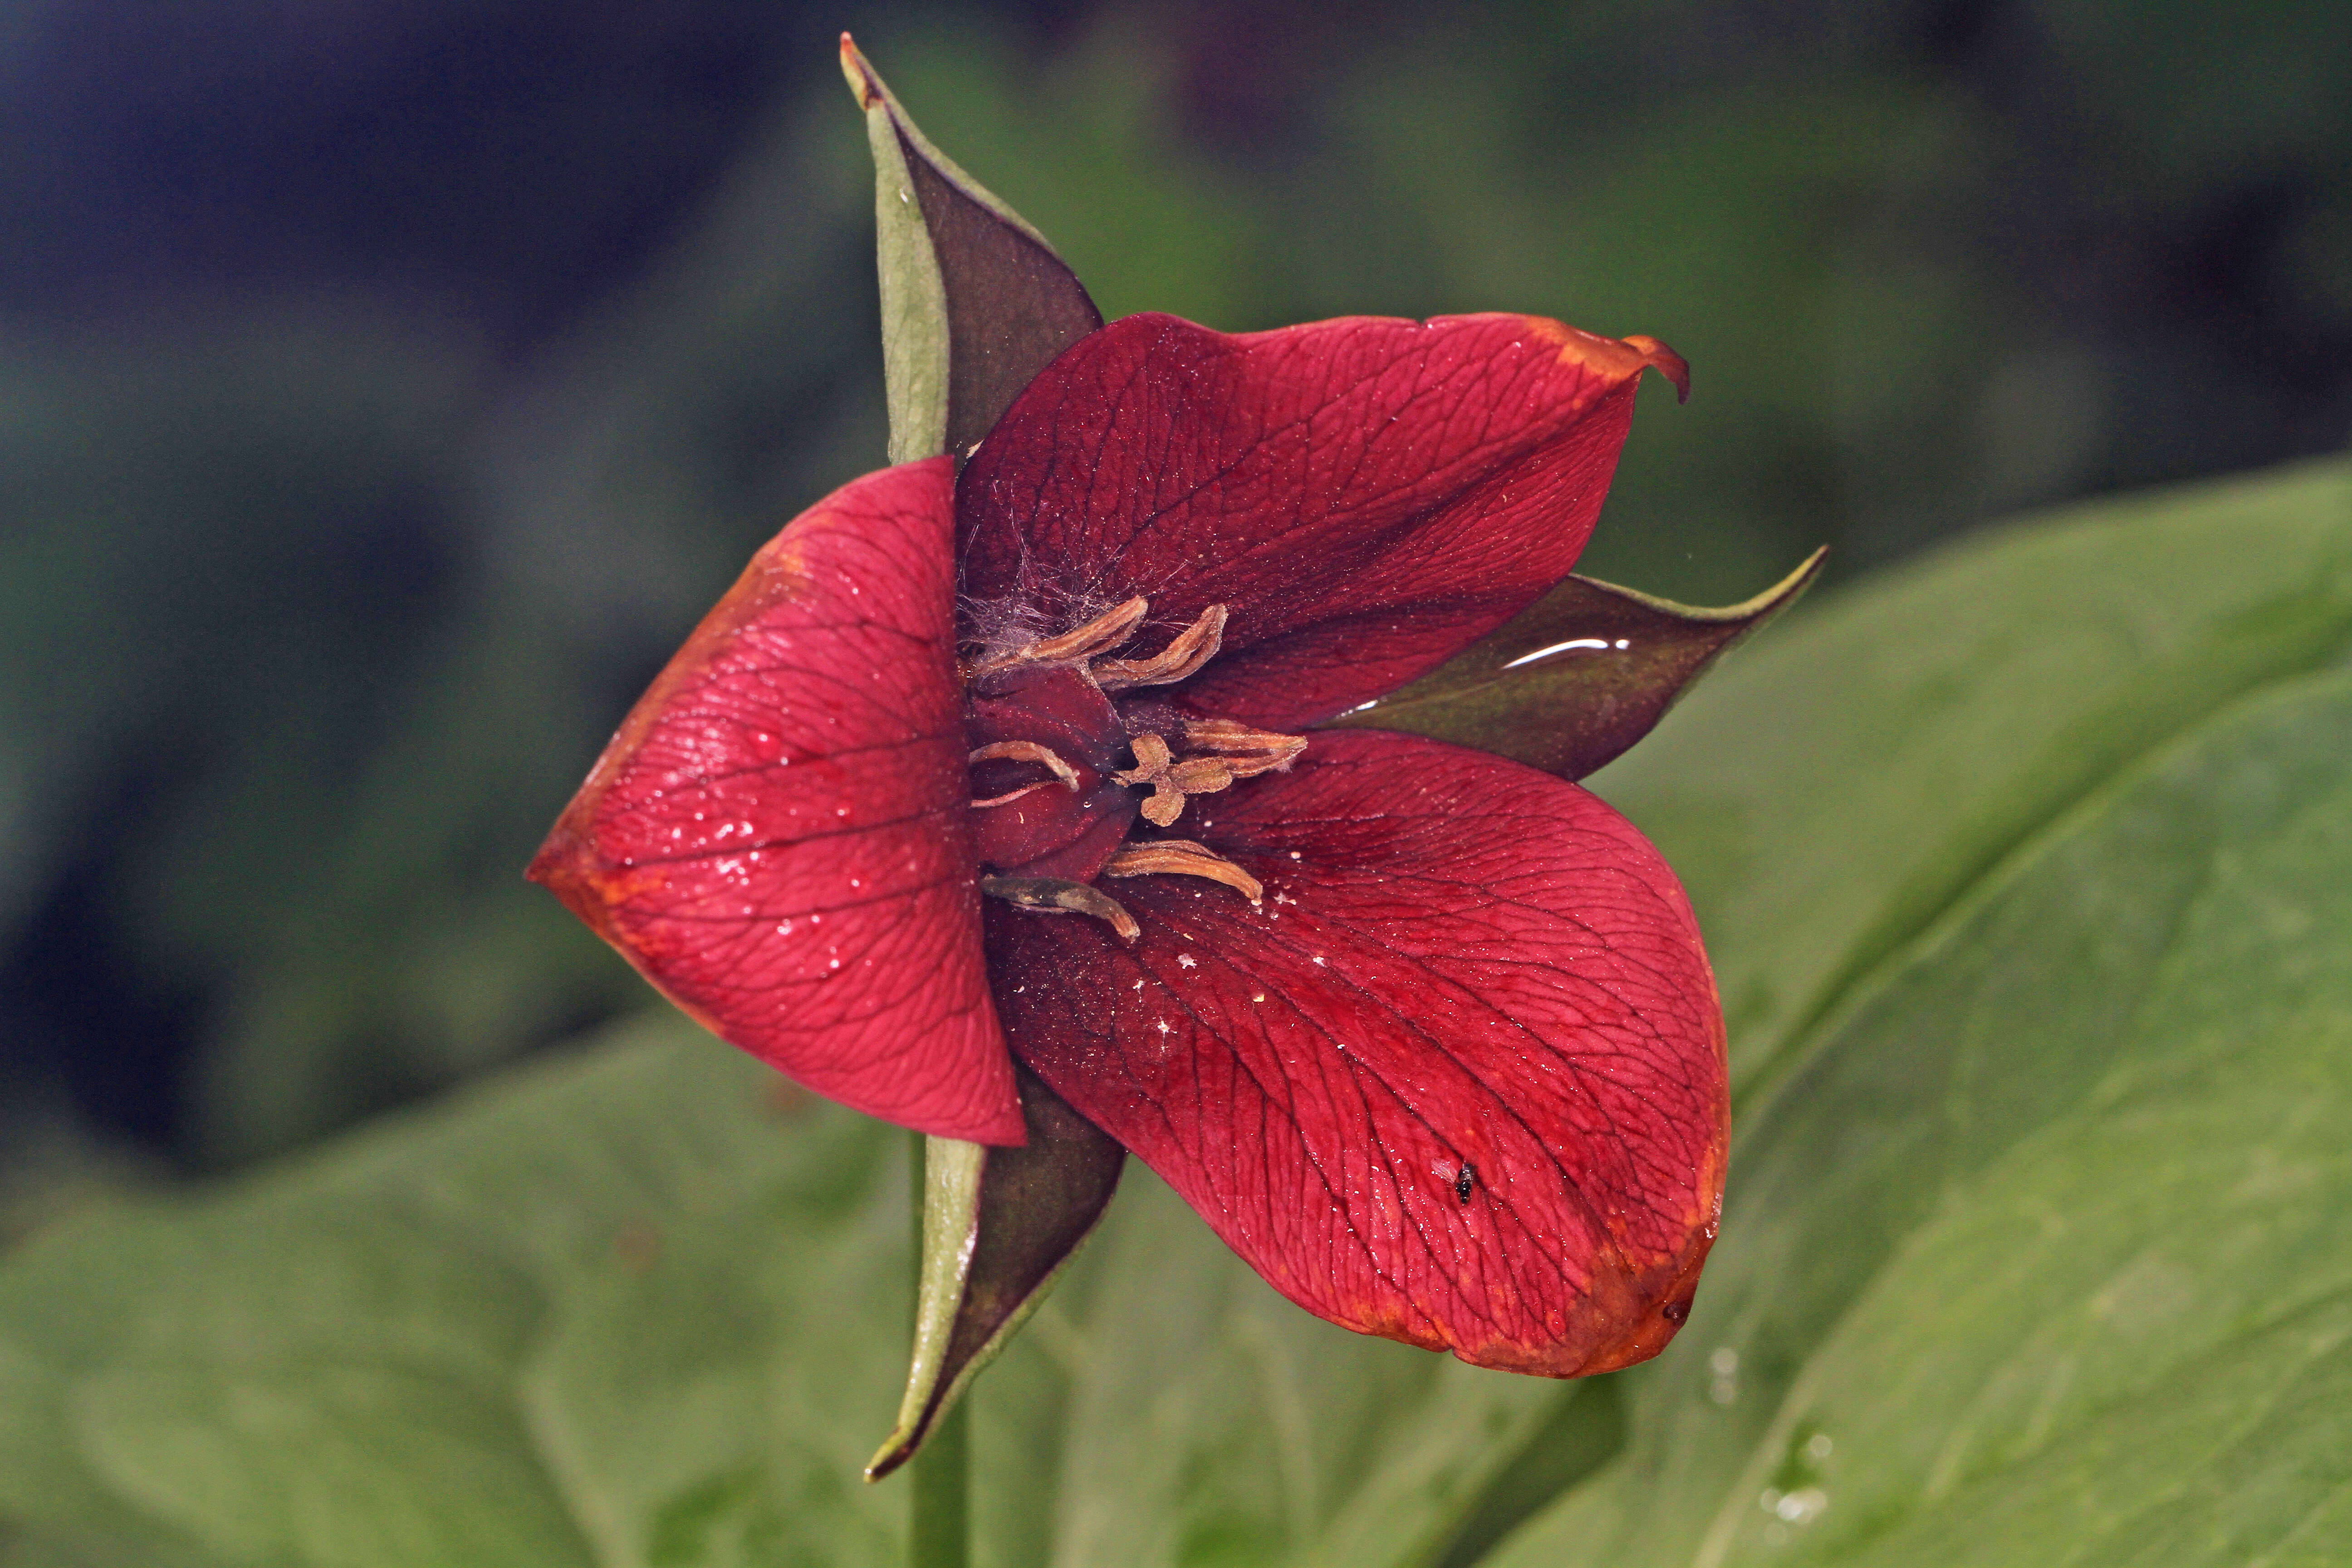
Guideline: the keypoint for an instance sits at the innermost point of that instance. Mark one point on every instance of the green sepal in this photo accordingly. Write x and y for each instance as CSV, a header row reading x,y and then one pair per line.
x,y
999,1228
1573,681
974,301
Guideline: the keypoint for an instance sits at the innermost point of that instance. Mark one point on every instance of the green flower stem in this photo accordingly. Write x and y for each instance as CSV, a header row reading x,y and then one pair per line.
x,y
941,1508
940,1502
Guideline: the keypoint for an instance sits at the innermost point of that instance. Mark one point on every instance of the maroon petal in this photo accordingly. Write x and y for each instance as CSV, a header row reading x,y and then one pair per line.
x,y
1461,964
1367,495
779,836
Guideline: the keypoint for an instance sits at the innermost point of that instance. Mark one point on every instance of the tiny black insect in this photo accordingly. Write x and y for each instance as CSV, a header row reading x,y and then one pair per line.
x,y
1465,1181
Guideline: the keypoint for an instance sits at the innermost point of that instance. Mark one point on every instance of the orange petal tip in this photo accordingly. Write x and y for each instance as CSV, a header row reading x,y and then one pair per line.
x,y
1664,360
1621,359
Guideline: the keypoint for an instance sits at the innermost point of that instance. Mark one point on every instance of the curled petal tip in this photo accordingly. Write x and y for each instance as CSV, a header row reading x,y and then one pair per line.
x,y
1668,362
1619,360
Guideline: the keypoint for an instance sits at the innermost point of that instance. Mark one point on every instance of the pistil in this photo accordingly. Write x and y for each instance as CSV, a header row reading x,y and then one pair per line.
x,y
1239,753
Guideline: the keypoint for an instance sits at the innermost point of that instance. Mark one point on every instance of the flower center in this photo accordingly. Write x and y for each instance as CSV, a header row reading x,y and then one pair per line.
x,y
1053,807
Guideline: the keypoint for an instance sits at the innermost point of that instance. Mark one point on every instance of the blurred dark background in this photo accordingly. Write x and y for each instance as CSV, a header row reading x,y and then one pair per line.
x,y
386,384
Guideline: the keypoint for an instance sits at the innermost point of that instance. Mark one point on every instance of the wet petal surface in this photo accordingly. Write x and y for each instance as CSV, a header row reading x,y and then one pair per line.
x,y
779,835
1458,1080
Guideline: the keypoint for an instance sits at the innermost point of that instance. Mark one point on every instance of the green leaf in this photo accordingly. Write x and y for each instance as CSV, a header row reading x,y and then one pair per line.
x,y
1571,683
430,1346
2045,1254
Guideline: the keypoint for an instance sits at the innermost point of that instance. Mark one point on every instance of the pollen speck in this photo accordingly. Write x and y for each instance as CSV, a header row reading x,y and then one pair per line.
x,y
1187,961
1258,997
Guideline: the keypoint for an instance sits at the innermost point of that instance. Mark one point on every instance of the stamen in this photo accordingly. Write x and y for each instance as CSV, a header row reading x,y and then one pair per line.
x,y
1055,896
1102,634
1027,752
1195,646
1023,751
1181,857
1247,752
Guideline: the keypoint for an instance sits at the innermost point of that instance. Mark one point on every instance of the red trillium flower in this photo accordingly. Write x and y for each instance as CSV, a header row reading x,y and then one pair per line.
x,y
1022,762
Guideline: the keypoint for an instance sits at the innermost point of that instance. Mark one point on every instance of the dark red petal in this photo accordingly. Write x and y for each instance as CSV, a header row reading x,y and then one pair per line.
x,y
1367,495
777,836
1459,960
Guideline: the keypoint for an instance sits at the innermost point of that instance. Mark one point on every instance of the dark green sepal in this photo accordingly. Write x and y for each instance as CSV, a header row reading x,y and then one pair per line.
x,y
1569,683
973,282
999,1226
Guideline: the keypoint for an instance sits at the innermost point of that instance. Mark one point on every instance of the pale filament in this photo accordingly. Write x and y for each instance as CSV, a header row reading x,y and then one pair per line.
x,y
1190,649
1247,752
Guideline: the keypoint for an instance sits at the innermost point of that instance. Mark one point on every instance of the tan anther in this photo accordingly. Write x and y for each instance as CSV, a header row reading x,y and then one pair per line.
x,y
1023,751
1172,781
1181,857
1055,896
1247,752
1105,632
1193,646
